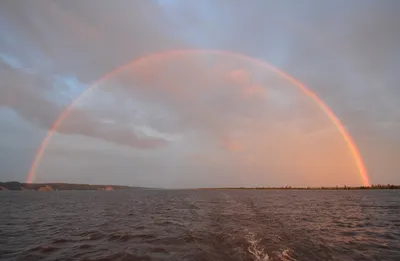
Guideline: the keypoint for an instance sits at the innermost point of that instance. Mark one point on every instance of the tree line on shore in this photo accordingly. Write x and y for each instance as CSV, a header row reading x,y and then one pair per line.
x,y
378,186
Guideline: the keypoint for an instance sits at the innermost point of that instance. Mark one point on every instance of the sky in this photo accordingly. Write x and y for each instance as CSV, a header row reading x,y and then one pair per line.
x,y
199,118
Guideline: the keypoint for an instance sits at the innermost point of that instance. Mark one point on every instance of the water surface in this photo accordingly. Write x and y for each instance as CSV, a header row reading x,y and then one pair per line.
x,y
200,225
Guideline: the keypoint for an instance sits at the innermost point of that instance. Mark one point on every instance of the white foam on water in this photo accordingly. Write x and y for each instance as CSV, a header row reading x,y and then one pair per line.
x,y
258,251
285,256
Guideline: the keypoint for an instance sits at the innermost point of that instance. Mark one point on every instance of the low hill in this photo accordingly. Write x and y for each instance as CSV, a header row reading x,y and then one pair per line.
x,y
14,185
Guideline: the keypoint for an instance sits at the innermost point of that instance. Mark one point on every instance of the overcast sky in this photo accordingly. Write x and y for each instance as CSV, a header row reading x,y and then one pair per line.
x,y
199,118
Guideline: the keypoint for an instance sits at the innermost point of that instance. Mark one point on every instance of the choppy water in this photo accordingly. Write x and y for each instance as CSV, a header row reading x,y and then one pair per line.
x,y
200,225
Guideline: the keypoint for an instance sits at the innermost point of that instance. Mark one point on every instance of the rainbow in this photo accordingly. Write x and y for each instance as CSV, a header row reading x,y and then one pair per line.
x,y
172,53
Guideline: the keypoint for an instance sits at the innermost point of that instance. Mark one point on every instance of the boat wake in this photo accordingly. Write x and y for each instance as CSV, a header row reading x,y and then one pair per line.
x,y
259,252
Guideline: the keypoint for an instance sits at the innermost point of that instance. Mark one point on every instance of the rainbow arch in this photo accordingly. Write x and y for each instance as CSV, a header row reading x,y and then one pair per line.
x,y
171,53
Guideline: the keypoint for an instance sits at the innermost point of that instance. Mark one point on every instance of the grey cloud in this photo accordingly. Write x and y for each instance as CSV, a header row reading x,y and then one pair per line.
x,y
79,122
107,35
48,39
21,92
345,51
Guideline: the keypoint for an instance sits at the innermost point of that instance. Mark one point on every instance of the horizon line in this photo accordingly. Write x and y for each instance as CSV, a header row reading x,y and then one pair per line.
x,y
214,187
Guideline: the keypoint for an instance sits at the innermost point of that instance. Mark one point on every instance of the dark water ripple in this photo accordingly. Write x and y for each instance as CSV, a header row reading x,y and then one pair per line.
x,y
200,225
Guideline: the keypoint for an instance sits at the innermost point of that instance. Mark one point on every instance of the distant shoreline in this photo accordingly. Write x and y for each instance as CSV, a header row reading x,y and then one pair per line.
x,y
373,187
19,186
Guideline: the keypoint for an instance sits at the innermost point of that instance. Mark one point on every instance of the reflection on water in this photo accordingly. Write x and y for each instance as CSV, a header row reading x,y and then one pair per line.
x,y
200,225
